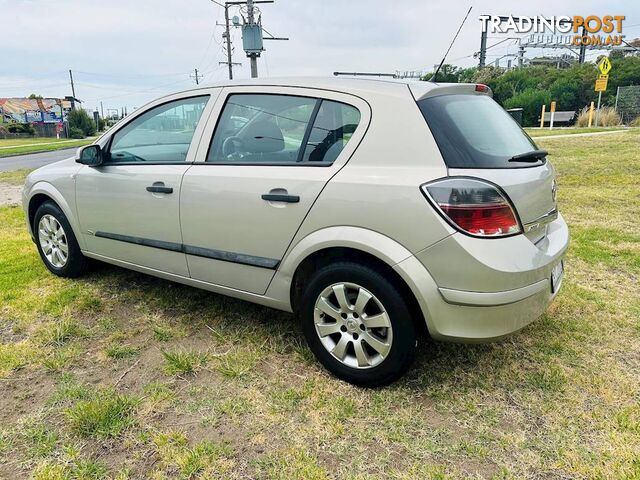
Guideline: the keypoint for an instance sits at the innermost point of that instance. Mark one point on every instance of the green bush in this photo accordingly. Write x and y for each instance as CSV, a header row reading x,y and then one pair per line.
x,y
21,128
80,119
531,101
75,132
530,87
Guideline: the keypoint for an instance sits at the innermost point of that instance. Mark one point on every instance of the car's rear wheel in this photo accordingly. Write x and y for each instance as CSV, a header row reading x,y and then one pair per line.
x,y
56,242
357,324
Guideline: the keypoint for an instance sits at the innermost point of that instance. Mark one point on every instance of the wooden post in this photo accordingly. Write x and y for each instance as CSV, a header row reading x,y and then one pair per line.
x,y
590,114
544,107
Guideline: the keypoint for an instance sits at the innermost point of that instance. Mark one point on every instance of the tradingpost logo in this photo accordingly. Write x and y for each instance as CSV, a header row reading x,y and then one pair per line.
x,y
592,30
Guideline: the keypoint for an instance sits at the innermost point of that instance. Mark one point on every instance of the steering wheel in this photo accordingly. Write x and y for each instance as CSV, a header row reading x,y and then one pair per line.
x,y
232,145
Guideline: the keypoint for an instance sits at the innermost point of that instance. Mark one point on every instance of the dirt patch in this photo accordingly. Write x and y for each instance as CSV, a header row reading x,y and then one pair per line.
x,y
10,194
23,394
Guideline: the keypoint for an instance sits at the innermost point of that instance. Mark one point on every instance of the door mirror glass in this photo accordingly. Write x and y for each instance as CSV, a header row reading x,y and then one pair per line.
x,y
89,155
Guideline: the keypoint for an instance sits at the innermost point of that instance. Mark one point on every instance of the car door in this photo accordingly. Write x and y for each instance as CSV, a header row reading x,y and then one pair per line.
x,y
128,206
258,173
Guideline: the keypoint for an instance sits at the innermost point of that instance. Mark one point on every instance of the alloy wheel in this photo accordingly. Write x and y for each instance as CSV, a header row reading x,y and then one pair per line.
x,y
53,241
353,325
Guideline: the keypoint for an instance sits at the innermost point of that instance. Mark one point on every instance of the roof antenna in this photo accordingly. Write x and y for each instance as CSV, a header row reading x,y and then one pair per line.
x,y
433,77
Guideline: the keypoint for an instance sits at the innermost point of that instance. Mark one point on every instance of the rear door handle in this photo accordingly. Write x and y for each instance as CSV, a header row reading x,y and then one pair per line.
x,y
158,187
278,197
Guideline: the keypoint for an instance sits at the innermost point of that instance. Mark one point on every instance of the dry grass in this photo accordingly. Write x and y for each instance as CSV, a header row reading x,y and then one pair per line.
x,y
607,117
87,392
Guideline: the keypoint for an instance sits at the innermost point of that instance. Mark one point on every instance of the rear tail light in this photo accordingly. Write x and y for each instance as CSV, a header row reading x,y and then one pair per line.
x,y
482,88
473,206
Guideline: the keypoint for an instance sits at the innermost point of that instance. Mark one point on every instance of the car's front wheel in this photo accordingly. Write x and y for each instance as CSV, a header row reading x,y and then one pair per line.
x,y
56,242
358,324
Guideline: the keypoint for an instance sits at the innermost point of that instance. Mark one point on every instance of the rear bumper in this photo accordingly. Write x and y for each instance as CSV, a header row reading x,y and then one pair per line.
x,y
486,289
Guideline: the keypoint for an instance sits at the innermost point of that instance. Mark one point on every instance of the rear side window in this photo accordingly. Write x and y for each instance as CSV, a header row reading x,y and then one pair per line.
x,y
281,129
473,131
333,127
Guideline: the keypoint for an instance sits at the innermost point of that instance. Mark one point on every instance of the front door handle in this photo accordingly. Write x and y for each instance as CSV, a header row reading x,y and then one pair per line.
x,y
278,197
158,187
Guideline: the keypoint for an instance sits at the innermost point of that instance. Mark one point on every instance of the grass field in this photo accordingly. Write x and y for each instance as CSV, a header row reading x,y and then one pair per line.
x,y
120,375
545,132
17,146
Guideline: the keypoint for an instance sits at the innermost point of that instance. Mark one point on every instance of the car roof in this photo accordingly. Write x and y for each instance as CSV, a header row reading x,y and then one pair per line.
x,y
357,86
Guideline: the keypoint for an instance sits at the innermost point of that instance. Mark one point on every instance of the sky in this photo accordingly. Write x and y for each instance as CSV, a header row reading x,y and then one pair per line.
x,y
128,52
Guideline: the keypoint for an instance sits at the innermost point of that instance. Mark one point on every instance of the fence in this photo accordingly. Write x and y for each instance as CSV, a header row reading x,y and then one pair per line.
x,y
628,102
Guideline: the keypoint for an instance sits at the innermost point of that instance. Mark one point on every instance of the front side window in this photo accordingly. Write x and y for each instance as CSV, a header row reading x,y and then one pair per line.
x,y
281,129
163,134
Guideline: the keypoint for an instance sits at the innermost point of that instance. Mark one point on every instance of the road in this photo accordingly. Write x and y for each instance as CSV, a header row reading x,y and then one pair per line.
x,y
34,160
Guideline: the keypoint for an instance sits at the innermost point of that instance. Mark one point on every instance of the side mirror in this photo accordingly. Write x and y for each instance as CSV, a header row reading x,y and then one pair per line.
x,y
89,155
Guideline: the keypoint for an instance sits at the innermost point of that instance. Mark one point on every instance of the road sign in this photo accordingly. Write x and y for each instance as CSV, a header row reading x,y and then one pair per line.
x,y
553,107
601,83
604,66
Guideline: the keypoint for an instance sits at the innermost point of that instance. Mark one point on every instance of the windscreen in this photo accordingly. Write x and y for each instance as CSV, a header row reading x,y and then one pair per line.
x,y
473,131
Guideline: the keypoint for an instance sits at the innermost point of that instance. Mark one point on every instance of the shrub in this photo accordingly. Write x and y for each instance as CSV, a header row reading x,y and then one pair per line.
x,y
635,122
75,132
21,128
583,118
531,101
608,117
80,119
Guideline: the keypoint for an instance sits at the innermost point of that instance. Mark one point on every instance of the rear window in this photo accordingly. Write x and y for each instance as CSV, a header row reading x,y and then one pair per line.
x,y
473,131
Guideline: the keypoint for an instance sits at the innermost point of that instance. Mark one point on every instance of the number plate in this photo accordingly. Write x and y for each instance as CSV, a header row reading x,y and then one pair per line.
x,y
556,276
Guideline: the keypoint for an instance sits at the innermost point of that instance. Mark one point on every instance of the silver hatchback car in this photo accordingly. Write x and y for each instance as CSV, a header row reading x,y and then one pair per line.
x,y
368,208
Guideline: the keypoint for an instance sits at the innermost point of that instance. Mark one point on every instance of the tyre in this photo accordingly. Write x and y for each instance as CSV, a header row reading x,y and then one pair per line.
x,y
56,243
357,324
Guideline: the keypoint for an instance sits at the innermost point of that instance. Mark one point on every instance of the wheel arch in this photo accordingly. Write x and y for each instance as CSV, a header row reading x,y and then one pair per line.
x,y
42,192
345,244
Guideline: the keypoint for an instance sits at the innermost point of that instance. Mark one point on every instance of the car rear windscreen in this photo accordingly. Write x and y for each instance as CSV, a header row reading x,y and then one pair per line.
x,y
473,131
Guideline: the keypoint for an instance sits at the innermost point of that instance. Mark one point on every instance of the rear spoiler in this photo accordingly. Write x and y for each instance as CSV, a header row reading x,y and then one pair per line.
x,y
422,90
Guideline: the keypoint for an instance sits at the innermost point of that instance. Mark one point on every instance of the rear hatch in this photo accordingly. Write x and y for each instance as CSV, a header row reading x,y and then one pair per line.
x,y
478,138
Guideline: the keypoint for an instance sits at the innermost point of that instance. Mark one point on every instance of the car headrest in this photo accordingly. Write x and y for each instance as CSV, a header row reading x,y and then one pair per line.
x,y
263,136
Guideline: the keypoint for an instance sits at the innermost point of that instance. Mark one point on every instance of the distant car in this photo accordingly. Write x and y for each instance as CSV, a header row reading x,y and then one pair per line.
x,y
369,208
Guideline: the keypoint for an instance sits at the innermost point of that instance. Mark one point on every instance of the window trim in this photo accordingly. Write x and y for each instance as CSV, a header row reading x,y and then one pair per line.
x,y
107,149
305,138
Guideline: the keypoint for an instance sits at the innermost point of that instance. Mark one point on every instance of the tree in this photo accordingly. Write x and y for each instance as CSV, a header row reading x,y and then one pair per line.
x,y
447,74
81,120
33,96
530,87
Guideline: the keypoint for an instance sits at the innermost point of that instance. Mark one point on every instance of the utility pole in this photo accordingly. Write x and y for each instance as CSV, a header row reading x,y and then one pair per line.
x,y
252,33
253,57
583,47
483,49
521,55
196,76
227,35
73,90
